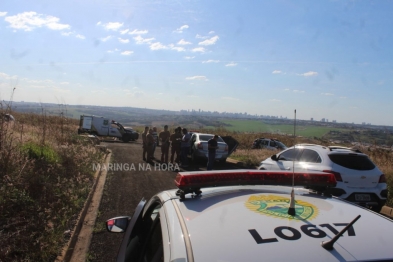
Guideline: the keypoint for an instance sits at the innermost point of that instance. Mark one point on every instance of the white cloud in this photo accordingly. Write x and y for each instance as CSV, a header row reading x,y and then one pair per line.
x,y
231,64
67,33
64,83
189,57
183,42
140,40
6,76
210,41
114,50
199,49
114,26
3,13
157,46
210,61
127,53
343,97
298,91
178,48
135,93
125,31
60,90
28,21
99,23
74,34
309,73
138,32
180,29
275,100
211,32
106,38
201,37
229,98
287,89
327,94
123,41
276,72
202,78
192,96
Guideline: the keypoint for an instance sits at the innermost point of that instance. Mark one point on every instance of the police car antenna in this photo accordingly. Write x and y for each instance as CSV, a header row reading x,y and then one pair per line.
x,y
291,209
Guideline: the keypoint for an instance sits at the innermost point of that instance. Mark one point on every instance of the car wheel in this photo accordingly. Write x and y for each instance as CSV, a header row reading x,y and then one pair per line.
x,y
125,139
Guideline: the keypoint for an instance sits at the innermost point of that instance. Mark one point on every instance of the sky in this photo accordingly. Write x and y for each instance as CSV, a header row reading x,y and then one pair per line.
x,y
326,59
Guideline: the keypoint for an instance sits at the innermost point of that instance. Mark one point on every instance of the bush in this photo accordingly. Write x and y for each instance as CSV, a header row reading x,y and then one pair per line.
x,y
41,152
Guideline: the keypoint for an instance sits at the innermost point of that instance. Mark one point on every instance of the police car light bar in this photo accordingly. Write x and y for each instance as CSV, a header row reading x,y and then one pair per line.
x,y
189,181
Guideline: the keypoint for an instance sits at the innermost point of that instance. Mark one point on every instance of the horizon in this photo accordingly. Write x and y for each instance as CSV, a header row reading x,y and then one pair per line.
x,y
203,113
326,59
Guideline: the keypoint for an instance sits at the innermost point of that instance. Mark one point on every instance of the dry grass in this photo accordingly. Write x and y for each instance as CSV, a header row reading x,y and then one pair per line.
x,y
45,177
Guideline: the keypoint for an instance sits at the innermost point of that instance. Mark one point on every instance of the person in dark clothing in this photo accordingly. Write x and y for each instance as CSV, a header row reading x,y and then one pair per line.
x,y
175,139
185,147
212,146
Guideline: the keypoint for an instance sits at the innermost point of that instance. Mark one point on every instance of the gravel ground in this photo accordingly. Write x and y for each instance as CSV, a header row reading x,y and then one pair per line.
x,y
125,188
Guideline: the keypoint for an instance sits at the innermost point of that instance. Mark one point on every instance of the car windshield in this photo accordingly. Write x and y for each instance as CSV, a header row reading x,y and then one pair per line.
x,y
281,145
208,137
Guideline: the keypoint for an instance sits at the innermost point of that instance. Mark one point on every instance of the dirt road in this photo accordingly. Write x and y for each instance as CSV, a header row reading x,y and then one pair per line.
x,y
128,181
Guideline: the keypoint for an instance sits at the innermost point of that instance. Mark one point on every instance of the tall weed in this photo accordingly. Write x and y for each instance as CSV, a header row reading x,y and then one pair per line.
x,y
45,176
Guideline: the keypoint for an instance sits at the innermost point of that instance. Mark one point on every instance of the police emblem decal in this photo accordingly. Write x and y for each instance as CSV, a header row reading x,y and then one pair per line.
x,y
277,206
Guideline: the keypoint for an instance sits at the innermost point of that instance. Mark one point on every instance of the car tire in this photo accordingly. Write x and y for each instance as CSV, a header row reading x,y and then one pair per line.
x,y
125,139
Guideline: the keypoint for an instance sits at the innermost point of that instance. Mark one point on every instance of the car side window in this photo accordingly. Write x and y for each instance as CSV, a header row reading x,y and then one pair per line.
x,y
290,155
273,144
141,234
154,250
310,156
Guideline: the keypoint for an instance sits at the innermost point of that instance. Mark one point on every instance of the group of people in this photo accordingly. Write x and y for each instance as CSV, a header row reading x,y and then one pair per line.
x,y
178,141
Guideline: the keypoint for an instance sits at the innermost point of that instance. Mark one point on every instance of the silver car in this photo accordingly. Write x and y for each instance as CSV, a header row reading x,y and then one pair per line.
x,y
199,151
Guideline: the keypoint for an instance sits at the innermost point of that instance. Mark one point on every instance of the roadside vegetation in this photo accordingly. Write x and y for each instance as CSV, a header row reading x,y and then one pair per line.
x,y
45,176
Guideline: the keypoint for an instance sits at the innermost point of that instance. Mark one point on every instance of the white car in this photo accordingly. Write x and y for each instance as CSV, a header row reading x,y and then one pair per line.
x,y
199,147
251,223
358,179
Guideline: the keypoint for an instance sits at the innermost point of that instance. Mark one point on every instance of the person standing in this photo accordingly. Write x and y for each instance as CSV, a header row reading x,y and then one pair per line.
x,y
144,142
156,143
212,146
185,147
164,138
175,139
150,146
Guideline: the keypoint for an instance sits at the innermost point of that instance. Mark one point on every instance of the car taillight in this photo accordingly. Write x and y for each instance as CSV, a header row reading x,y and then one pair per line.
x,y
226,148
382,179
200,146
337,175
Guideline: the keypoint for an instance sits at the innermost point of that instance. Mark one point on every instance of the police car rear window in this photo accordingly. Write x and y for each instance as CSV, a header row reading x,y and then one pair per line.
x,y
352,161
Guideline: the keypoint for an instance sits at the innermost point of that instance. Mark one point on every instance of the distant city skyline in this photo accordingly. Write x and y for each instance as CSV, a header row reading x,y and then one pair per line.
x,y
17,104
327,59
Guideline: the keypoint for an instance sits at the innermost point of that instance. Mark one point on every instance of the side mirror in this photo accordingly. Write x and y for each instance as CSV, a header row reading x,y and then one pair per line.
x,y
274,157
117,224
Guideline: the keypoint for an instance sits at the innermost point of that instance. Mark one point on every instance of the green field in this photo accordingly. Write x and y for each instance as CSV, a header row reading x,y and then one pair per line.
x,y
260,127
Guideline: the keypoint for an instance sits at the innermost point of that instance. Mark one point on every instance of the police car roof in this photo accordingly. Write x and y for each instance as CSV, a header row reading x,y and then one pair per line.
x,y
250,223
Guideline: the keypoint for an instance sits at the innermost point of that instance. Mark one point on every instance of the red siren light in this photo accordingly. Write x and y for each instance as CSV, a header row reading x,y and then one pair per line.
x,y
200,179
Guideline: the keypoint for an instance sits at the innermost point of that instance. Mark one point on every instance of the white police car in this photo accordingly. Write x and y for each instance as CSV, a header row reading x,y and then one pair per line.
x,y
240,220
